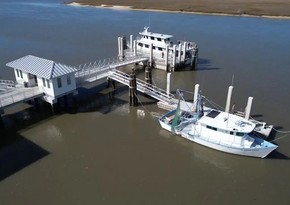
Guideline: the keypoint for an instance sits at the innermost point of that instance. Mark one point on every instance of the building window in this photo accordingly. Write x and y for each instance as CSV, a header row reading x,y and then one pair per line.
x,y
21,73
59,82
17,71
48,84
68,79
43,82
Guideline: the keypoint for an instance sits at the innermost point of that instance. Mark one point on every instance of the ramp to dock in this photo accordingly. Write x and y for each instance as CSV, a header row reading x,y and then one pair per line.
x,y
99,69
146,88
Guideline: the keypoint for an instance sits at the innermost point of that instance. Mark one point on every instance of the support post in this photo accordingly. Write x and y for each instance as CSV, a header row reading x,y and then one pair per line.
x,y
151,55
194,59
179,53
135,47
248,108
174,57
133,89
166,58
184,51
148,75
196,91
119,47
228,103
131,43
168,83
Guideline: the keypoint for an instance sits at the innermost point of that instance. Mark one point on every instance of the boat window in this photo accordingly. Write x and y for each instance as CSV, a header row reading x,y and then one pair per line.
x,y
160,49
146,46
213,113
158,39
231,132
140,44
152,38
212,128
154,47
240,134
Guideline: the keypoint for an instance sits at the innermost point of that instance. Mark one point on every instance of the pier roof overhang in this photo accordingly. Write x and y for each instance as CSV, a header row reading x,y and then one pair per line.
x,y
41,67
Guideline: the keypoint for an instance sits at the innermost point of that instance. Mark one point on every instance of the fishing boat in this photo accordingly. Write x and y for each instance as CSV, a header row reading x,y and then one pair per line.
x,y
217,129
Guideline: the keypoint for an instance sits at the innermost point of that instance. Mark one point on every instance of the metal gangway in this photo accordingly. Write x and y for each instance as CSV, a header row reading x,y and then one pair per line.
x,y
142,86
97,70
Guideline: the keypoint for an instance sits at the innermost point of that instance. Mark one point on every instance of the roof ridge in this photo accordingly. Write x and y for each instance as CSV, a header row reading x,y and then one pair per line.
x,y
51,70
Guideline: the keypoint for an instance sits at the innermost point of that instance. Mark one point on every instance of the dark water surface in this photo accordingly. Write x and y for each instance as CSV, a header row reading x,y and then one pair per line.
x,y
105,153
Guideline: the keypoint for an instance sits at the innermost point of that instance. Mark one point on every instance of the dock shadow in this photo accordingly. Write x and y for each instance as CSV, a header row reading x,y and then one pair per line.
x,y
17,152
204,64
101,98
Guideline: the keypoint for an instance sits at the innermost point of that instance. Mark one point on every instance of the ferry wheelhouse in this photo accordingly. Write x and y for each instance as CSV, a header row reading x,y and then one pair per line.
x,y
163,52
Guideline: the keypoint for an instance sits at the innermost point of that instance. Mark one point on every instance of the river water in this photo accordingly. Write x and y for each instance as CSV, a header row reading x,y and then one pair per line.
x,y
106,152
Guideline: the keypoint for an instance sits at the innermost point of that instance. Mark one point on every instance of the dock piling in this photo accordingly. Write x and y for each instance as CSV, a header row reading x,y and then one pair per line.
x,y
168,83
194,59
133,89
148,74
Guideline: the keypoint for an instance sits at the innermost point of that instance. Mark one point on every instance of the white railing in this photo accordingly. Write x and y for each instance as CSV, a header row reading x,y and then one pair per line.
x,y
5,84
143,87
97,70
15,97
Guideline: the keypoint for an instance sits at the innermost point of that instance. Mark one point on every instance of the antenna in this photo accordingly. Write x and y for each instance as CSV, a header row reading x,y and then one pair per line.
x,y
233,78
149,20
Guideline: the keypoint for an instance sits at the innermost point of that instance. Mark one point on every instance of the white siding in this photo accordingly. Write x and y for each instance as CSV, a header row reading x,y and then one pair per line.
x,y
64,86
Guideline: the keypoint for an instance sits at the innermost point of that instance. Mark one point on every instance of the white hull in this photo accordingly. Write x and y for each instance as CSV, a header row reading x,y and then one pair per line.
x,y
253,152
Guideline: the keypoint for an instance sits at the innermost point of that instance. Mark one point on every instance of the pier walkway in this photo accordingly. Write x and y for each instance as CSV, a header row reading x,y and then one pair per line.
x,y
99,69
87,73
20,94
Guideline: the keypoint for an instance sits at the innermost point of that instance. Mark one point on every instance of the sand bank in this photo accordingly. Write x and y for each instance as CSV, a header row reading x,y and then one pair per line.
x,y
249,8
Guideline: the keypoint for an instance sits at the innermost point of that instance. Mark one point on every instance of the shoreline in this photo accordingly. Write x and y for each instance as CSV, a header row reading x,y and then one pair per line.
x,y
132,8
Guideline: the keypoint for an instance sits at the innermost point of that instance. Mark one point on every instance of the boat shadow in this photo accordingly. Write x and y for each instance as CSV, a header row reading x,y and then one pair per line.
x,y
17,152
272,137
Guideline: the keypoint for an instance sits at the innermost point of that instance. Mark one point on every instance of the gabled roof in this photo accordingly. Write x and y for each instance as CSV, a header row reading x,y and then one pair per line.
x,y
41,67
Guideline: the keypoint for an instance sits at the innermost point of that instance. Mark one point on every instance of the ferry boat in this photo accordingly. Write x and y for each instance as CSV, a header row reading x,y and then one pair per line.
x,y
217,129
165,54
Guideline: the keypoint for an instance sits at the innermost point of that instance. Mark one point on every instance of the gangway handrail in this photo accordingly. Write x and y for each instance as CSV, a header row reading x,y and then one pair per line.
x,y
142,86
